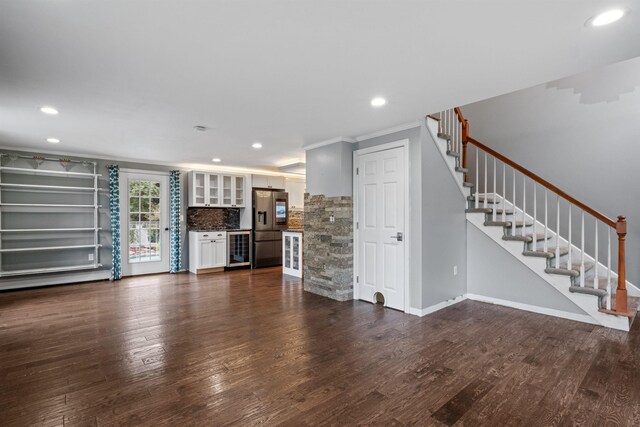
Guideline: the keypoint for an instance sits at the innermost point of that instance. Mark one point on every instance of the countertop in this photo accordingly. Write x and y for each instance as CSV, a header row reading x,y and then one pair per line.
x,y
224,229
293,230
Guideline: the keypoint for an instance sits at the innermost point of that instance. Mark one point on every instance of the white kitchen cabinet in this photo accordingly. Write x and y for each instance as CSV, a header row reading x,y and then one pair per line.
x,y
211,189
268,181
207,250
296,189
292,253
233,192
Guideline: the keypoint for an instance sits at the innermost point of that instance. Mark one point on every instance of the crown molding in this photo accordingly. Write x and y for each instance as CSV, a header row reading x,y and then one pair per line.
x,y
388,131
329,142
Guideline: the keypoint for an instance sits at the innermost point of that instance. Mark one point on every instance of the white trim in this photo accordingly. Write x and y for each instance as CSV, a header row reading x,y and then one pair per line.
x,y
329,142
436,307
364,137
403,143
388,131
584,318
144,172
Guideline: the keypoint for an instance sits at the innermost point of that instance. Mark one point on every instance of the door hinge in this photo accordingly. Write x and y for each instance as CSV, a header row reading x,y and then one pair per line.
x,y
357,171
357,279
357,225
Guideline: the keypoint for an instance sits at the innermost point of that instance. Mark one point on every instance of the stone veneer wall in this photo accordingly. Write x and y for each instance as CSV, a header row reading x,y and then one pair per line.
x,y
328,247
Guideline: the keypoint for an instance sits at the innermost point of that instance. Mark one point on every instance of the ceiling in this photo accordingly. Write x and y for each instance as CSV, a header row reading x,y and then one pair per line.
x,y
131,79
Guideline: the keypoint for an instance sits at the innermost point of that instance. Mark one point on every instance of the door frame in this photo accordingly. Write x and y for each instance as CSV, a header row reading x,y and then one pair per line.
x,y
403,143
124,213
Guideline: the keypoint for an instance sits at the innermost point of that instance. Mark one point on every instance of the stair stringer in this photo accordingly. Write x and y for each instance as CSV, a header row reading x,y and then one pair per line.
x,y
441,143
587,303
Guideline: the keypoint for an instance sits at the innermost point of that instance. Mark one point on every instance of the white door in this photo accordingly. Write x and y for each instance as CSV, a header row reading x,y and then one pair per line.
x,y
144,234
381,228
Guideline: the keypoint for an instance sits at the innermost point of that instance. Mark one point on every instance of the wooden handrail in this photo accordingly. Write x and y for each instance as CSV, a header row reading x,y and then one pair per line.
x,y
610,222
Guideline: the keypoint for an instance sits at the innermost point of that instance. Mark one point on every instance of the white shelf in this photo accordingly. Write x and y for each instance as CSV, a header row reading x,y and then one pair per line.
x,y
48,172
49,248
41,230
49,270
37,187
48,205
17,187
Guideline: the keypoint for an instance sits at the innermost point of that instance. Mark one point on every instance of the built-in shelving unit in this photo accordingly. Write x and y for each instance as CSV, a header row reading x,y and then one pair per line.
x,y
35,215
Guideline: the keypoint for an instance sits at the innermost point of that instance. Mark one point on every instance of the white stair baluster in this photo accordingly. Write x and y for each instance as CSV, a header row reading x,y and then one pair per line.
x,y
513,204
495,191
524,208
596,283
477,204
608,269
582,251
504,191
485,179
569,258
557,231
535,210
453,141
546,222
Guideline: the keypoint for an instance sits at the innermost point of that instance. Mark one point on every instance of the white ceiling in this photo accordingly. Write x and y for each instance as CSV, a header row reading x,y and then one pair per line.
x,y
131,79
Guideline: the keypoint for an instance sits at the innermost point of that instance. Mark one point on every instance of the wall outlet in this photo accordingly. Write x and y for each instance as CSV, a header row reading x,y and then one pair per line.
x,y
455,270
332,219
90,257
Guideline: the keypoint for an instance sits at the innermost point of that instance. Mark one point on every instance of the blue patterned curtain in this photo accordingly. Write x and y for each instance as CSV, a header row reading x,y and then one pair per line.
x,y
114,209
175,249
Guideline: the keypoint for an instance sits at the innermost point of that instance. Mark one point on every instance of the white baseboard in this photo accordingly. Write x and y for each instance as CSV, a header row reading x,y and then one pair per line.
x,y
432,309
511,304
534,309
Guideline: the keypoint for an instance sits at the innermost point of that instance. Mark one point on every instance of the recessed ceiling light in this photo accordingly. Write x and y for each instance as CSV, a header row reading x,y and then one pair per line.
x,y
53,140
257,145
49,110
378,101
606,18
216,160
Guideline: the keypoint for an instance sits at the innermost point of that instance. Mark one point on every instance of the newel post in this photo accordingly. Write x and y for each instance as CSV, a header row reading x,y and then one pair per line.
x,y
621,291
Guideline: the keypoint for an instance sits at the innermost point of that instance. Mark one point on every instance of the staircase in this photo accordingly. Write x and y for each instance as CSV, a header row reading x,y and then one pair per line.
x,y
540,225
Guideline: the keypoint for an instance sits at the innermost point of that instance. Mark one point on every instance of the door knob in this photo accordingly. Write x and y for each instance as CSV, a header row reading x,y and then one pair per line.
x,y
398,237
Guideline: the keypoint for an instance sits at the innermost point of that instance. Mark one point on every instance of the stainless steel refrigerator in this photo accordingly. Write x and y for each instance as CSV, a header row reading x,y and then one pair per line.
x,y
270,217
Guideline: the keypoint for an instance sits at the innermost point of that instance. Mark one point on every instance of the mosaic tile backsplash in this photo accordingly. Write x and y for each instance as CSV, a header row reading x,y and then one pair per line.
x,y
205,219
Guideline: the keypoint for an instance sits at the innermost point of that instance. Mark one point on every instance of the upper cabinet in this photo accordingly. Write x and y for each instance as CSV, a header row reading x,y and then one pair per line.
x,y
210,189
296,189
268,181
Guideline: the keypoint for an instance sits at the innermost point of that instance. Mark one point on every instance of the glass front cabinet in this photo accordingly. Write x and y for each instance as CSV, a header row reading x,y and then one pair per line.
x,y
292,253
210,189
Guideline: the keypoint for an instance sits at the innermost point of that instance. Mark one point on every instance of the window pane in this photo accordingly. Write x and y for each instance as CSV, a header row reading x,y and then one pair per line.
x,y
144,205
134,204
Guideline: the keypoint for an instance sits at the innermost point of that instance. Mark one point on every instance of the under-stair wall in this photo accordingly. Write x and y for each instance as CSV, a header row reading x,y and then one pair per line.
x,y
444,236
494,275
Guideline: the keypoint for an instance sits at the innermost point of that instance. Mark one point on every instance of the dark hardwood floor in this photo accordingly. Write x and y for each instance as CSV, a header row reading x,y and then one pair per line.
x,y
253,348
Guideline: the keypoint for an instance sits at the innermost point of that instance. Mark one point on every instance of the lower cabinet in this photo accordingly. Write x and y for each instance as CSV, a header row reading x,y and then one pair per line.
x,y
207,250
292,253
